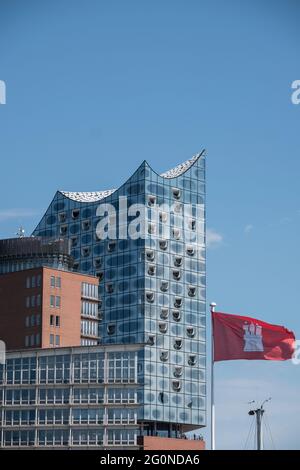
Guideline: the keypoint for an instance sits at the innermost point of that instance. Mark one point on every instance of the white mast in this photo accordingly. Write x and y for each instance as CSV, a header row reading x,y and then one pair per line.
x,y
212,391
259,412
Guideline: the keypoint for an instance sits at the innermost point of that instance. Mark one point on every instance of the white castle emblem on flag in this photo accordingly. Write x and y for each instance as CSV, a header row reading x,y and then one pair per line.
x,y
253,337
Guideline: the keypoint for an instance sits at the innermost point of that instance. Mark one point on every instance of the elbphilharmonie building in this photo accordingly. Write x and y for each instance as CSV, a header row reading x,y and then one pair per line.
x,y
145,241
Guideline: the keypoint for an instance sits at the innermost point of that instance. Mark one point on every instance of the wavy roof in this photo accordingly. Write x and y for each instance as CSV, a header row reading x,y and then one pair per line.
x,y
98,195
88,196
181,168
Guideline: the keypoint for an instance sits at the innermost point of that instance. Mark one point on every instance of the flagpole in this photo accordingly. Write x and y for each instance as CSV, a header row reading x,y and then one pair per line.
x,y
212,386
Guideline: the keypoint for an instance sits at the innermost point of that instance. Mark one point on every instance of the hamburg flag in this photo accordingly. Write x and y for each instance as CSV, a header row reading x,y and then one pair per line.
x,y
237,337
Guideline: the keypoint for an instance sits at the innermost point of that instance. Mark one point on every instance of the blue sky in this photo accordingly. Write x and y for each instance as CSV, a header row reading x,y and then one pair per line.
x,y
95,87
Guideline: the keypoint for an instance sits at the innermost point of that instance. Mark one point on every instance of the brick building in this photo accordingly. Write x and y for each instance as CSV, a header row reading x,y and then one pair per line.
x,y
45,307
43,303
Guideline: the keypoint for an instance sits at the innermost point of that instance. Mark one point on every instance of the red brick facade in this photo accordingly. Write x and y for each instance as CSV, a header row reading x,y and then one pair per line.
x,y
26,313
168,443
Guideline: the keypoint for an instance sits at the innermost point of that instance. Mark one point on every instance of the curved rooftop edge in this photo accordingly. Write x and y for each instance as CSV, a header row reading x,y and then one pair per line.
x,y
87,196
94,196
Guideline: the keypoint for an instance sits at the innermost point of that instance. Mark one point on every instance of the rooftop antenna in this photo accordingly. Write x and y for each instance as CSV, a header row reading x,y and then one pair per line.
x,y
21,232
259,416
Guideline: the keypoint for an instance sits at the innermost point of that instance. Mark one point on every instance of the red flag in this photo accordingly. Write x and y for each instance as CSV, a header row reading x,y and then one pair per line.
x,y
237,337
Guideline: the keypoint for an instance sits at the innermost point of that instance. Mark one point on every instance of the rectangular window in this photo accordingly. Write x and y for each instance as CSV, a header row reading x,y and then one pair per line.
x,y
38,300
38,319
89,290
28,282
26,341
33,281
57,340
39,280
52,340
33,301
51,320
32,320
27,321
57,321
57,301
32,340
52,300
37,339
58,282
27,302
52,281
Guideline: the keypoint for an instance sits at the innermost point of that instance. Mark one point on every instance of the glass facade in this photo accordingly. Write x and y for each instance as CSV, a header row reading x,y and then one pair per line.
x,y
152,287
70,397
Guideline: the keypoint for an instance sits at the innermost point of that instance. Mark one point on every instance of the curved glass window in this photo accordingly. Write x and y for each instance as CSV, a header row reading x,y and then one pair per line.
x,y
151,269
151,201
192,361
150,296
163,244
178,260
176,315
111,246
150,255
191,291
164,313
163,397
190,331
75,213
151,340
178,302
86,225
164,286
176,193
176,233
178,343
163,327
164,356
190,250
178,371
176,385
98,262
109,287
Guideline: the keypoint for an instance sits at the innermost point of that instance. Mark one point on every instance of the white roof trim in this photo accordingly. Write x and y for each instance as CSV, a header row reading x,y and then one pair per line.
x,y
87,196
181,168
98,195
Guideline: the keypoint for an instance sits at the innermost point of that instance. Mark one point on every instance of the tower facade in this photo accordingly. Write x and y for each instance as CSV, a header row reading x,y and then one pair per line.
x,y
146,243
